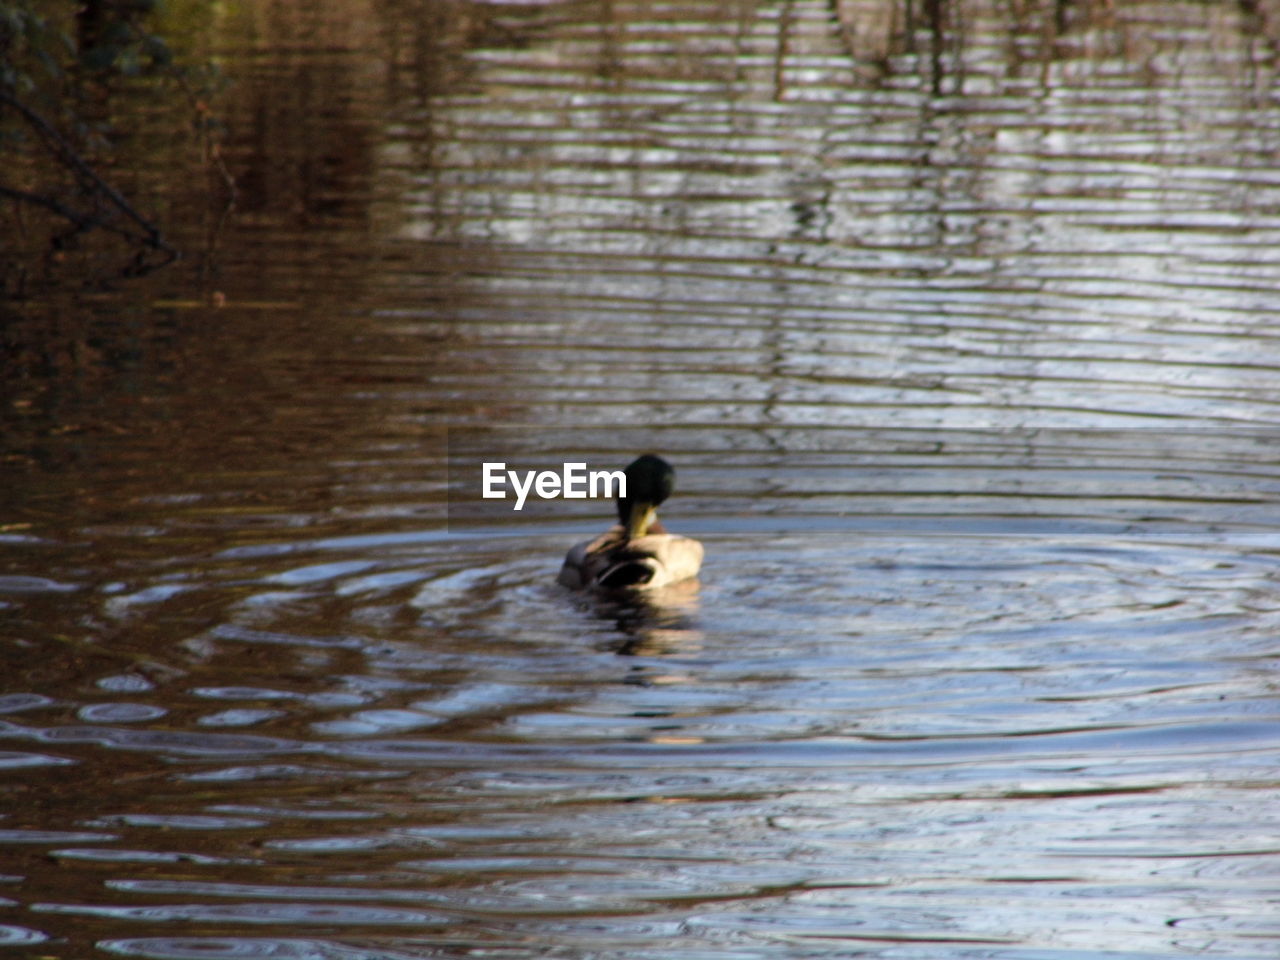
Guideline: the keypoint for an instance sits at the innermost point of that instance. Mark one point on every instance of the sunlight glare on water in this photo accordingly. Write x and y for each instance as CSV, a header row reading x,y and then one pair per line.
x,y
956,320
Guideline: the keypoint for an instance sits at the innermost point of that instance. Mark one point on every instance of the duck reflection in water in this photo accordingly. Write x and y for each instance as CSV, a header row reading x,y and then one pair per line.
x,y
641,576
652,623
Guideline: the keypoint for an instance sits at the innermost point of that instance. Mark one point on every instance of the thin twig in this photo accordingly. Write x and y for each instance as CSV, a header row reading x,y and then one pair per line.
x,y
71,159
66,212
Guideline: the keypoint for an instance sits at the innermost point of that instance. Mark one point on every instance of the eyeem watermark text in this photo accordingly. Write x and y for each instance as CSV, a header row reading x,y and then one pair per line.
x,y
573,482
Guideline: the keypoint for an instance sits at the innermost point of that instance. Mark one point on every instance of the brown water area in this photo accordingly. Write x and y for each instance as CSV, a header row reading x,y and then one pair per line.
x,y
959,323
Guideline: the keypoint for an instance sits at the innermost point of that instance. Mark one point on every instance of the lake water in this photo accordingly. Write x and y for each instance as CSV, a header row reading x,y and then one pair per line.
x,y
958,321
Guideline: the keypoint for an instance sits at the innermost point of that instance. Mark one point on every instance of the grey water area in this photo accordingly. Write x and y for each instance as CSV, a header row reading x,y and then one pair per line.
x,y
959,324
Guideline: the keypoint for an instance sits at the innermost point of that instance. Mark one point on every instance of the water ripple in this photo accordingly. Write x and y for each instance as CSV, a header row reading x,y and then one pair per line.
x,y
178,742
243,948
268,913
12,936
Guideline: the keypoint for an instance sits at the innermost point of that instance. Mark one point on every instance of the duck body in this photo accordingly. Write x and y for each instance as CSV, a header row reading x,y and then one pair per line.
x,y
612,562
637,553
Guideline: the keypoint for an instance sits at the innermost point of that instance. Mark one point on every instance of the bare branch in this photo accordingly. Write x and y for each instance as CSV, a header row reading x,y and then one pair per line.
x,y
70,158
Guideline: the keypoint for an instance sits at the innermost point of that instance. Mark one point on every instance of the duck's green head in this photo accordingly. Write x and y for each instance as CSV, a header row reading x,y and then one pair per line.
x,y
650,480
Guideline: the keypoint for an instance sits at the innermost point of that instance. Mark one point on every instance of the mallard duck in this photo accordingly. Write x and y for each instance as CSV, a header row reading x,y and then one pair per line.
x,y
637,553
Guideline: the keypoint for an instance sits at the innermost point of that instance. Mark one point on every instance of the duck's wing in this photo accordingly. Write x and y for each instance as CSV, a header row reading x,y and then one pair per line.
x,y
611,562
584,560
628,571
654,560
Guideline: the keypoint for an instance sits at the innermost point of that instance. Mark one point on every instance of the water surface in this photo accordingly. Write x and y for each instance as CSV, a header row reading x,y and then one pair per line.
x,y
958,323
